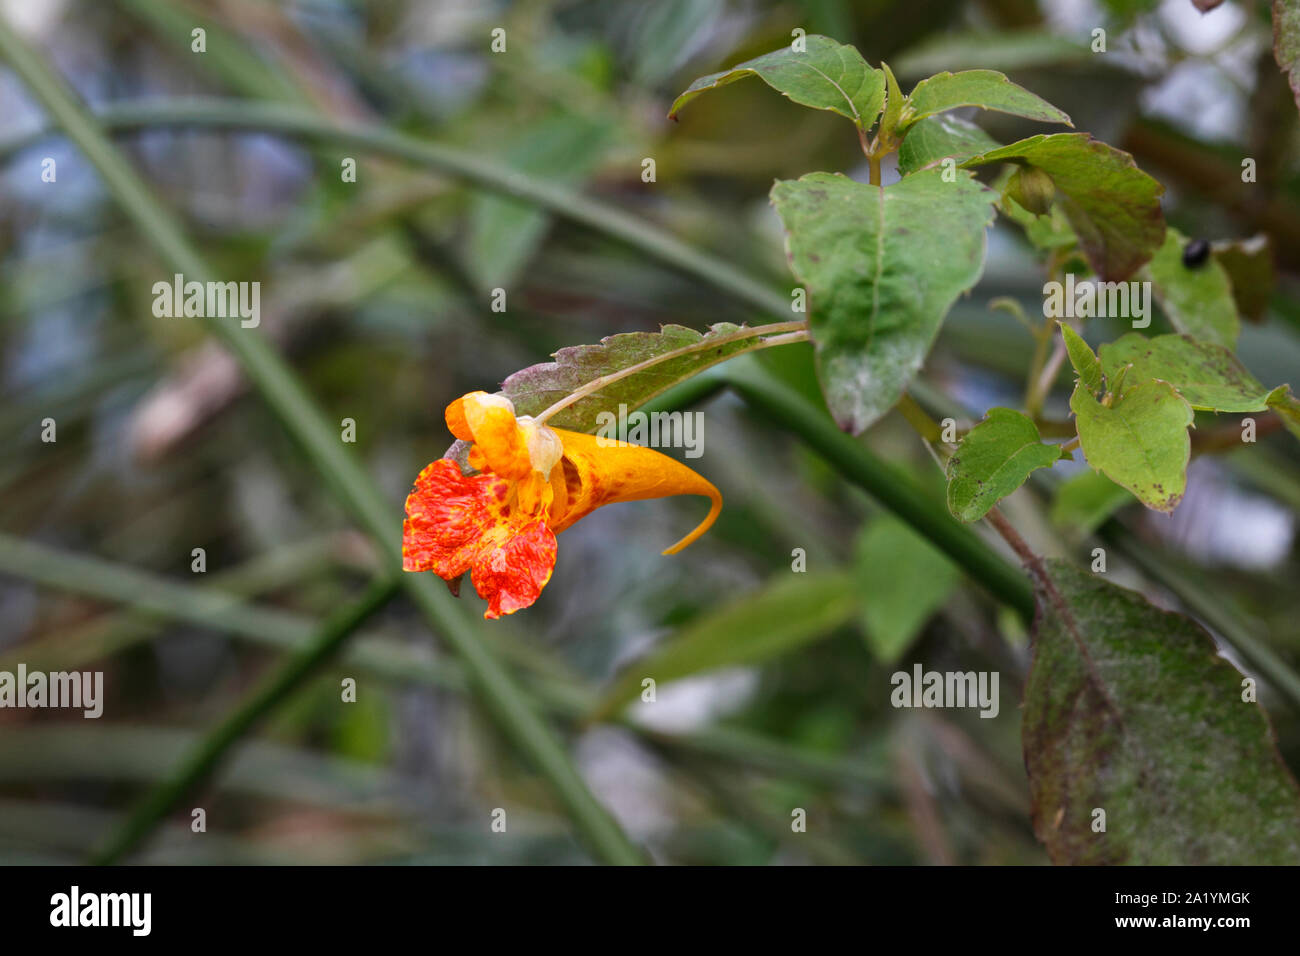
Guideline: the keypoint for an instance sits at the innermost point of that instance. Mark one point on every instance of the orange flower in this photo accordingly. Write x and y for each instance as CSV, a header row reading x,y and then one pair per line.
x,y
533,482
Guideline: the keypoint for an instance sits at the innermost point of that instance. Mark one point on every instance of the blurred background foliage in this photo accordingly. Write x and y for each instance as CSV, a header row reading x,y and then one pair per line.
x,y
378,293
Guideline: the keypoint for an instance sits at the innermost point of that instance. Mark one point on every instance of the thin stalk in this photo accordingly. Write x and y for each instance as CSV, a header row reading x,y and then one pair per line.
x,y
1041,386
305,422
896,491
472,167
919,419
798,332
276,691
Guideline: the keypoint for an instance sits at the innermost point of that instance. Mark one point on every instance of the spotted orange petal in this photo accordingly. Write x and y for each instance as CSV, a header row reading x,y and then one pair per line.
x,y
457,523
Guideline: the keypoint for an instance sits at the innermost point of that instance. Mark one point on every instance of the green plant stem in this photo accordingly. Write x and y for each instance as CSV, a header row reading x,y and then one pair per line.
x,y
896,491
289,400
474,168
919,419
200,764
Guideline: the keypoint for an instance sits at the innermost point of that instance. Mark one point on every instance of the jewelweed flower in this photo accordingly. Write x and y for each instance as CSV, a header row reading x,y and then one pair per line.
x,y
532,482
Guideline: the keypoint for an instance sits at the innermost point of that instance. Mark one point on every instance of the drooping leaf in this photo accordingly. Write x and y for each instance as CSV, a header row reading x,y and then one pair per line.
x,y
1140,441
994,459
1112,205
902,580
987,89
1130,710
1083,358
537,387
1198,300
826,76
1249,265
882,267
1209,376
940,137
784,615
1286,42
1085,501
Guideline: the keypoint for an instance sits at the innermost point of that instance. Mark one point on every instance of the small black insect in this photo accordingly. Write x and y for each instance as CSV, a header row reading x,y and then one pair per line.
x,y
1195,253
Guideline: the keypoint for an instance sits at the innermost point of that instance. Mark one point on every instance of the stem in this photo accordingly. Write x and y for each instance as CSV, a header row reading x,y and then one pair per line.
x,y
319,440
1071,445
873,163
862,139
1038,391
274,692
893,489
917,417
473,168
798,330
1018,544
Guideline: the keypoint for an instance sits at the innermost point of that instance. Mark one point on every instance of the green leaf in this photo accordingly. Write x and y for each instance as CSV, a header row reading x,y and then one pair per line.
x,y
1249,265
1208,376
1287,407
827,76
1084,360
536,388
1112,205
882,267
1139,442
940,137
987,89
902,580
1085,501
791,613
1131,710
1286,42
994,459
1198,300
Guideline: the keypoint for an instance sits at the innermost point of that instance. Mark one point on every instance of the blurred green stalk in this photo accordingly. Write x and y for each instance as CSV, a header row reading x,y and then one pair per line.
x,y
472,167
199,765
287,397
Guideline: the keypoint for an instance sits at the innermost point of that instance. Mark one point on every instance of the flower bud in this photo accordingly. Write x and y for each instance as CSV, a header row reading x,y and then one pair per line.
x,y
1033,189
